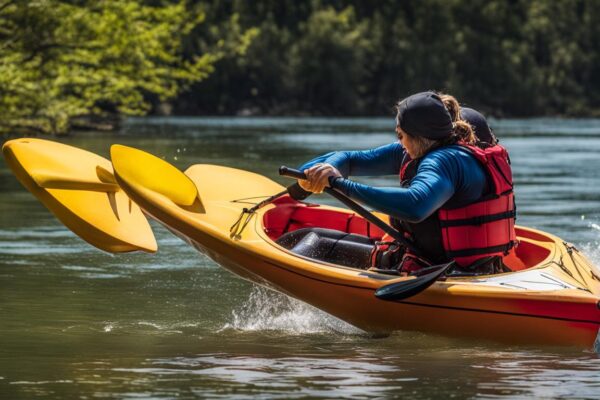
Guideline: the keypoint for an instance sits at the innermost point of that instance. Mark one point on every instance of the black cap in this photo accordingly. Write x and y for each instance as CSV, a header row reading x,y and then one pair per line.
x,y
479,124
424,114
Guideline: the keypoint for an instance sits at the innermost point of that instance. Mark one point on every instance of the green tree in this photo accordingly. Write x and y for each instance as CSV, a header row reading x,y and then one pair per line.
x,y
61,60
414,42
562,64
329,61
493,58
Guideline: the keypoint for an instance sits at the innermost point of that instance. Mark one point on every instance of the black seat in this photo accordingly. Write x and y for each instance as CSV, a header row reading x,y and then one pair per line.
x,y
330,245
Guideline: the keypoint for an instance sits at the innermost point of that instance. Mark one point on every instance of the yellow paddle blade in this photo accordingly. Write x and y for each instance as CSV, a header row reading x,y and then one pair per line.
x,y
146,170
79,188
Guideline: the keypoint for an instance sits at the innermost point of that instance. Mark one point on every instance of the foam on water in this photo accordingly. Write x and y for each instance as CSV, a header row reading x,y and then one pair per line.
x,y
142,327
269,310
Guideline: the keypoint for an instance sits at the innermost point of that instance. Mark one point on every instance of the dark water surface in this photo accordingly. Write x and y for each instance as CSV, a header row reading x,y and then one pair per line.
x,y
79,323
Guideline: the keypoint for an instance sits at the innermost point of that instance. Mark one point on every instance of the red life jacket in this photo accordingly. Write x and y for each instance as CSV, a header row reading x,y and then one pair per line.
x,y
465,234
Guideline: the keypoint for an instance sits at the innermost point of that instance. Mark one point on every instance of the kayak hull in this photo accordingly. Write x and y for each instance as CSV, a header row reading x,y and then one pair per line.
x,y
506,321
553,302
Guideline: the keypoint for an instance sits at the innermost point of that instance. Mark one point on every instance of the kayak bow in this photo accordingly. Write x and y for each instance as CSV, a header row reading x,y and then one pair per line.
x,y
79,188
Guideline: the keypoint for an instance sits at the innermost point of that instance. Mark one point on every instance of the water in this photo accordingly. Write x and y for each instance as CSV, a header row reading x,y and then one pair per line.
x,y
79,323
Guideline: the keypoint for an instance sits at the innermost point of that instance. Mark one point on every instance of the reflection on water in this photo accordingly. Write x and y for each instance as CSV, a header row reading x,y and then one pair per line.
x,y
543,376
80,323
285,377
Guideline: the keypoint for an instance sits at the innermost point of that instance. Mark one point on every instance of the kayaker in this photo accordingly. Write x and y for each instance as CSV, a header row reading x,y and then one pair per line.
x,y
455,200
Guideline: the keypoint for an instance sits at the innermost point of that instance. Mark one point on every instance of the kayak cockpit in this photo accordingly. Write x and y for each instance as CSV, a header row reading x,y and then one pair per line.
x,y
289,216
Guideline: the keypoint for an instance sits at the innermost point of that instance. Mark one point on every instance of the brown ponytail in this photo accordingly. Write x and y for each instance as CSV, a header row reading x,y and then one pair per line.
x,y
462,130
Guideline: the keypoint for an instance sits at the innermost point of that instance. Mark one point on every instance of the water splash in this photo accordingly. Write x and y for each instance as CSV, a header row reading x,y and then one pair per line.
x,y
269,310
592,248
595,227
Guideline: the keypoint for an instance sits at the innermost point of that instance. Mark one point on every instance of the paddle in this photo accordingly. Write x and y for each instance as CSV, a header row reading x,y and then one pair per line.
x,y
360,210
410,287
397,290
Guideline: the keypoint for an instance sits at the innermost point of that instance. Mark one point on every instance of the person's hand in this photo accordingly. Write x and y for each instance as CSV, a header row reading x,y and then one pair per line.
x,y
317,177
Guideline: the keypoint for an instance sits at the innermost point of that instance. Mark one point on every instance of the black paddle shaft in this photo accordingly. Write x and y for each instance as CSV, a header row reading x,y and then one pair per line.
x,y
404,289
360,210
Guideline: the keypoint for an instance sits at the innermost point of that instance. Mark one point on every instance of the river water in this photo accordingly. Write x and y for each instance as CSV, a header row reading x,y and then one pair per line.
x,y
76,322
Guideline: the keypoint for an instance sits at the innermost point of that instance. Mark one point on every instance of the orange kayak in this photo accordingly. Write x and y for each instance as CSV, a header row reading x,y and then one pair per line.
x,y
551,296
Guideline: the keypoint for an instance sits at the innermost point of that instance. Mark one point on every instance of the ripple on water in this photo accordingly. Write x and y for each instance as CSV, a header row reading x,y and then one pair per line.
x,y
284,377
37,232
542,376
39,241
37,247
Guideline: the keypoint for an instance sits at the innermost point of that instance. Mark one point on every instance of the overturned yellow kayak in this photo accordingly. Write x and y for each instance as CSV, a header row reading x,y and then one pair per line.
x,y
79,188
551,296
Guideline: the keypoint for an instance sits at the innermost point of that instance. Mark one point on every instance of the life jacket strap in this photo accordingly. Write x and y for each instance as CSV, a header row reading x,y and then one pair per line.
x,y
505,248
479,220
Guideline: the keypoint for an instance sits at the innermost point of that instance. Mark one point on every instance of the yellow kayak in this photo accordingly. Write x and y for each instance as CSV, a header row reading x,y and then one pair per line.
x,y
551,295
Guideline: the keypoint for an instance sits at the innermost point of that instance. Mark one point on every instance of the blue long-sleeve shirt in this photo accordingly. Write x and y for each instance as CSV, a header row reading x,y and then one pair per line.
x,y
445,176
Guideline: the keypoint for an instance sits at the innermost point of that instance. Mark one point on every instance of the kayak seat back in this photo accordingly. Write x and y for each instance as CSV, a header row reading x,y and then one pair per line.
x,y
289,216
329,245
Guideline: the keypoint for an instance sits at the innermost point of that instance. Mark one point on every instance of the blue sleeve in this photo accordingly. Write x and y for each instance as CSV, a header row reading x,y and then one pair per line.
x,y
384,160
438,179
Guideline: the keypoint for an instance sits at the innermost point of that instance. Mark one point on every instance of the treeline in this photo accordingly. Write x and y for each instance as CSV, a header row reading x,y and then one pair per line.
x,y
357,57
73,63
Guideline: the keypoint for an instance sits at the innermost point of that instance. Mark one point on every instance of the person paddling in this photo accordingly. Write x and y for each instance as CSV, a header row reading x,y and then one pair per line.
x,y
455,201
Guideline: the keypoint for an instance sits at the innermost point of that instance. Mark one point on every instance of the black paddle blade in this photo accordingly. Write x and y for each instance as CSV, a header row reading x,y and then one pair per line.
x,y
405,289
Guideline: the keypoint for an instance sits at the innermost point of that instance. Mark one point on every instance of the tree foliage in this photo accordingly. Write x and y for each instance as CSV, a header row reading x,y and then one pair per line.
x,y
60,60
357,57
